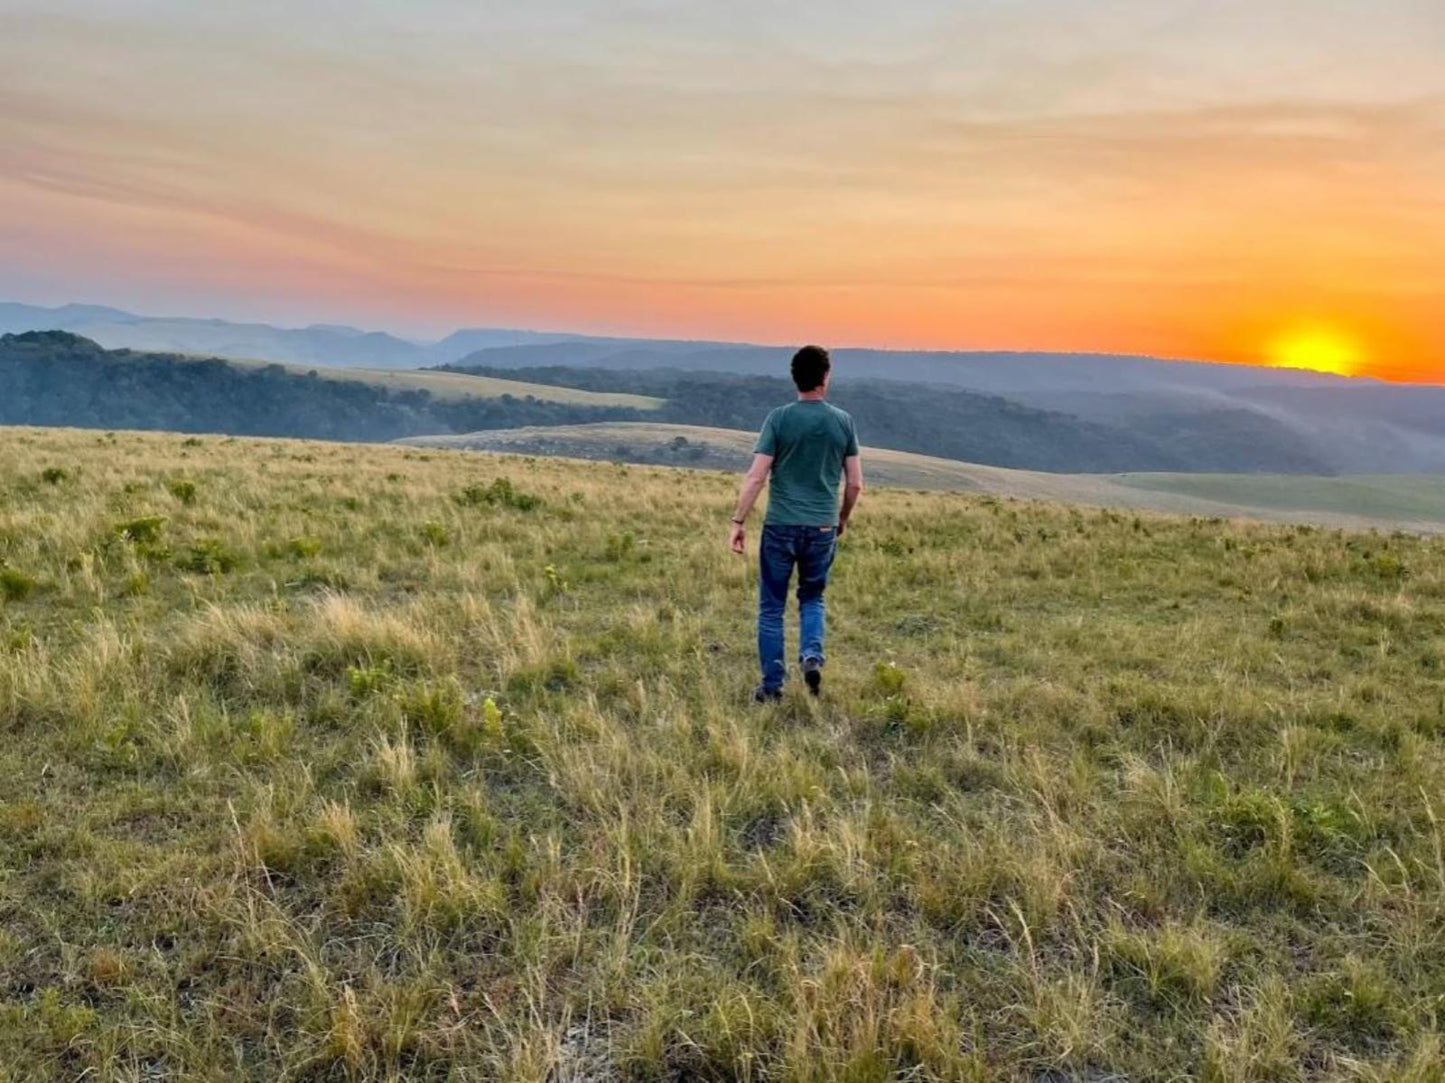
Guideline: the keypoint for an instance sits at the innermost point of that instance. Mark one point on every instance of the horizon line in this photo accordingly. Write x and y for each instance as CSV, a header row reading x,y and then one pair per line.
x,y
1359,378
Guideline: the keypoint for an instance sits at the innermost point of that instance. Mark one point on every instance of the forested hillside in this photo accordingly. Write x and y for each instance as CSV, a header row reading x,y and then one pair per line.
x,y
56,378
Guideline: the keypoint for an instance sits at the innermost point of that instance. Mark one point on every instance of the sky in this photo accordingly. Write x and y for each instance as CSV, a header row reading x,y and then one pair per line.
x,y
1258,181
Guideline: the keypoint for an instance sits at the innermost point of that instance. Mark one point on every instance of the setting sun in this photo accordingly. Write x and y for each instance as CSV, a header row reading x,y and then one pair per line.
x,y
1323,349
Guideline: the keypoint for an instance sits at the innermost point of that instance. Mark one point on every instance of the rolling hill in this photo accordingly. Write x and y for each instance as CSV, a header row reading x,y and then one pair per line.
x,y
446,386
952,423
56,378
1411,503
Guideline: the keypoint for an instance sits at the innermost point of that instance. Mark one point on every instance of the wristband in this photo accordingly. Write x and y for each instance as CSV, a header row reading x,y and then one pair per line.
x,y
739,522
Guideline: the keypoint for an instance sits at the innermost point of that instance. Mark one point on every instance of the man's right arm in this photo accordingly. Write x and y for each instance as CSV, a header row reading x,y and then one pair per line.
x,y
852,488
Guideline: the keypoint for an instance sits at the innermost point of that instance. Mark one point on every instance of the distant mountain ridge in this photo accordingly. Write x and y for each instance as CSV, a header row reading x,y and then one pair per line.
x,y
995,371
321,344
1201,412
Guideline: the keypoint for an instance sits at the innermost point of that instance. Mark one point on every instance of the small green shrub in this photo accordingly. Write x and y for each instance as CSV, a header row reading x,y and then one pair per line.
x,y
555,583
184,491
434,708
303,548
620,546
370,679
492,720
500,493
54,475
887,679
209,556
1388,568
146,530
15,585
435,534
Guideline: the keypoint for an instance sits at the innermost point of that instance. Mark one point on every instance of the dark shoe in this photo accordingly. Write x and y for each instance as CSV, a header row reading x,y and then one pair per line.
x,y
767,695
813,675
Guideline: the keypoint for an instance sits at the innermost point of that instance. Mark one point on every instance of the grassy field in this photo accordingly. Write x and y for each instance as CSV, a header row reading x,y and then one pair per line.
x,y
452,386
1415,503
324,761
1398,497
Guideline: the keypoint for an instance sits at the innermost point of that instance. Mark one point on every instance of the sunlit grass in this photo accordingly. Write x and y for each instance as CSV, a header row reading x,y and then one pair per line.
x,y
326,761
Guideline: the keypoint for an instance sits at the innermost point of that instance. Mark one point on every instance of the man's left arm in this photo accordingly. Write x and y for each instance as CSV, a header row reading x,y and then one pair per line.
x,y
751,488
852,489
852,477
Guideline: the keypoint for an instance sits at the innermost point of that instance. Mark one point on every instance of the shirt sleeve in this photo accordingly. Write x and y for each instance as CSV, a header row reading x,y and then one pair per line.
x,y
852,440
767,439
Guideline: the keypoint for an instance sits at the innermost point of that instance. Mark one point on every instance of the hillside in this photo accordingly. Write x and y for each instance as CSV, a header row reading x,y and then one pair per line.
x,y
445,386
955,424
55,378
1387,502
324,761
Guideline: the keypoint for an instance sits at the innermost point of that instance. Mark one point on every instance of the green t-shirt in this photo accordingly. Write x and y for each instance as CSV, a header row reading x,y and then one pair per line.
x,y
808,440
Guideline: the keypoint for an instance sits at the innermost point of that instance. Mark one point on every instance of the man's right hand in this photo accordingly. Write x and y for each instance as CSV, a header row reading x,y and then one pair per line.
x,y
737,540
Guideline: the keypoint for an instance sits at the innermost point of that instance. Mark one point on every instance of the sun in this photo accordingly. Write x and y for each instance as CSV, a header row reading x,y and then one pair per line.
x,y
1318,347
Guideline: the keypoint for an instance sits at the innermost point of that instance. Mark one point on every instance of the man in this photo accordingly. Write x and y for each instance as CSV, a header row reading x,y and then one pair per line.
x,y
803,448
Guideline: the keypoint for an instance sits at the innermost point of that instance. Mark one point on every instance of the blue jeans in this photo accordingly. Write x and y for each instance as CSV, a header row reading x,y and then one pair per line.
x,y
810,549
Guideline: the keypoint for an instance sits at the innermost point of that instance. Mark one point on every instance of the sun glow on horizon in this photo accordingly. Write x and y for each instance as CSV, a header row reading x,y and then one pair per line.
x,y
1231,182
1320,348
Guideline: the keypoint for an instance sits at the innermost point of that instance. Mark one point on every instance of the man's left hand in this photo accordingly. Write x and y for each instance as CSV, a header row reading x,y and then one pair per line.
x,y
737,540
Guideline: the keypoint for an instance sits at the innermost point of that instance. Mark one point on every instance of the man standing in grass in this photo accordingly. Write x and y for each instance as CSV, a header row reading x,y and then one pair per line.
x,y
804,448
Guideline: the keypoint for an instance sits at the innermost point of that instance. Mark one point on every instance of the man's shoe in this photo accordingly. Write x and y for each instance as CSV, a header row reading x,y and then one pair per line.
x,y
767,695
813,675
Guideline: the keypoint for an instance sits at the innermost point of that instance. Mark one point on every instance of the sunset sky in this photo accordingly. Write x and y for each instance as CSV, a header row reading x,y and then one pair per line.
x,y
1246,180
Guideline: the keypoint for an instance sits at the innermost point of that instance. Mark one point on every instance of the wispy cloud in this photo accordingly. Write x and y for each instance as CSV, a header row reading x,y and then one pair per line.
x,y
960,172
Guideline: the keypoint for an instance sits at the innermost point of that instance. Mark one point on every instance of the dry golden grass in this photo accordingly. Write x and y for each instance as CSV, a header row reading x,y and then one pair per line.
x,y
329,761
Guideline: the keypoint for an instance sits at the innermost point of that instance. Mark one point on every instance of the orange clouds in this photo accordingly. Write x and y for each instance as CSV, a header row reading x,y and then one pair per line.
x,y
968,178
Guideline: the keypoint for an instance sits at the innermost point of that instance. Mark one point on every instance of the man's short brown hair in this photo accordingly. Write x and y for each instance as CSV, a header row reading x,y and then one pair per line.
x,y
810,366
